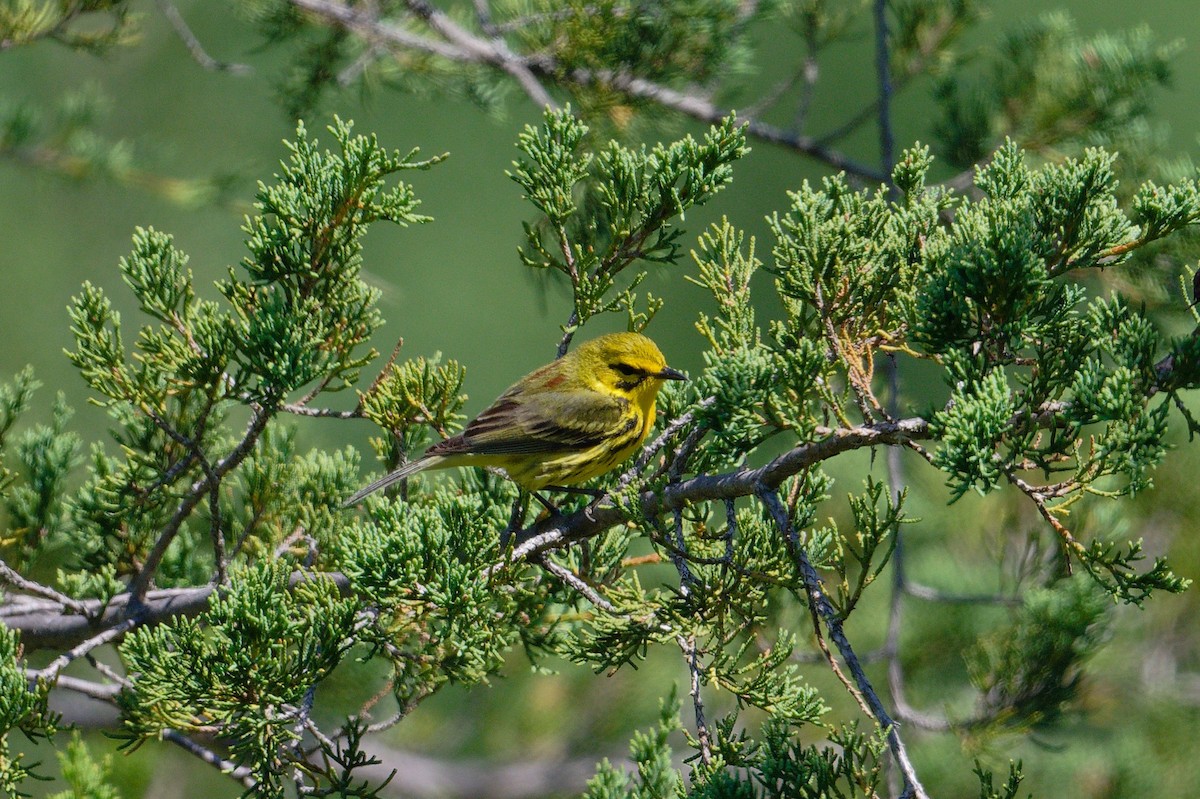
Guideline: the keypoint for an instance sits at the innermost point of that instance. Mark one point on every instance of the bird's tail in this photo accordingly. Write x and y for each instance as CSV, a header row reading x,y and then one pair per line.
x,y
408,469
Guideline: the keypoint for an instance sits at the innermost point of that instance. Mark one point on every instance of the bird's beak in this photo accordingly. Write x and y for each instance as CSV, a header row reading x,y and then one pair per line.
x,y
668,373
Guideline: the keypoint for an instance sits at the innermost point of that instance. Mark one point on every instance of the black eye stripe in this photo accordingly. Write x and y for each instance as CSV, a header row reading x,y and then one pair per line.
x,y
628,370
629,384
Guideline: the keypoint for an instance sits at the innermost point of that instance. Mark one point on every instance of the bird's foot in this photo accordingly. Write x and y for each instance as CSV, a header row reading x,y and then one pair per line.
x,y
515,520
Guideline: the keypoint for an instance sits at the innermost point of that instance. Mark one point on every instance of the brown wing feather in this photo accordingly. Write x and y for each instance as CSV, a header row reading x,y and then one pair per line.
x,y
549,422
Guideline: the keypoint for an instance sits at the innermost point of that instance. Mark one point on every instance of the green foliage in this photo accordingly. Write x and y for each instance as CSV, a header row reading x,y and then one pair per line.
x,y
1051,88
418,566
87,778
302,309
869,549
1056,394
651,751
89,25
14,400
739,767
23,708
756,391
44,455
1007,791
1030,671
725,269
994,303
778,766
832,261
989,293
415,396
668,41
296,320
629,198
970,430
249,664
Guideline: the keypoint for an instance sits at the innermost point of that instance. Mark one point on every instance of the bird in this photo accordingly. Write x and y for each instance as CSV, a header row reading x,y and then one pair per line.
x,y
562,424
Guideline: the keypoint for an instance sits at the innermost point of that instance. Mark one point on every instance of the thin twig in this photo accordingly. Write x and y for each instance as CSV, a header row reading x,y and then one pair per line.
x,y
731,531
575,581
816,596
352,71
859,384
93,690
826,654
1070,544
141,583
688,645
461,46
10,576
930,594
483,13
887,140
705,110
812,71
107,671
214,483
50,673
201,57
895,670
494,52
679,555
240,773
652,449
326,413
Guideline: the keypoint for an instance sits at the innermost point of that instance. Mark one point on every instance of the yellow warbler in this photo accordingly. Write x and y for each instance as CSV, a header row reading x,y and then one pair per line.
x,y
562,424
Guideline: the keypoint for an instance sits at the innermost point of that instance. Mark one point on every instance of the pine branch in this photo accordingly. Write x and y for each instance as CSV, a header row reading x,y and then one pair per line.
x,y
700,108
457,44
239,773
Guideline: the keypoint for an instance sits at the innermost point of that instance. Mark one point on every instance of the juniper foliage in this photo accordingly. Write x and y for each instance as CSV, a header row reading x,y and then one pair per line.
x,y
1036,364
217,560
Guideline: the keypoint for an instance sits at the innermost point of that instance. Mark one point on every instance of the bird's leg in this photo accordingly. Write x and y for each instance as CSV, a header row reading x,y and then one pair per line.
x,y
596,494
550,507
515,519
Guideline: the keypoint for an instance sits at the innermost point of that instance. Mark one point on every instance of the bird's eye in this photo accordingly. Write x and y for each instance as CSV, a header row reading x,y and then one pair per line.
x,y
627,370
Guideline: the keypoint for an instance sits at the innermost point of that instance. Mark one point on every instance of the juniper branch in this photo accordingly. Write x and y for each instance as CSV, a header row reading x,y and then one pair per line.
x,y
141,583
818,599
190,40
556,531
463,47
46,625
10,576
93,690
50,673
239,773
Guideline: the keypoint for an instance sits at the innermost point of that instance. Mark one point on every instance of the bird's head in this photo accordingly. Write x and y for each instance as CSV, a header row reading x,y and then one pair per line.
x,y
628,364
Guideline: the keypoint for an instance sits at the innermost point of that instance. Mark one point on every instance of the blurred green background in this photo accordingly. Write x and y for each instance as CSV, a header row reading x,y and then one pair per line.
x,y
457,287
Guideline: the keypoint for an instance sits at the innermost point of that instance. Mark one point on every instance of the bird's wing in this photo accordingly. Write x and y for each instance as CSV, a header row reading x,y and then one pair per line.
x,y
544,422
